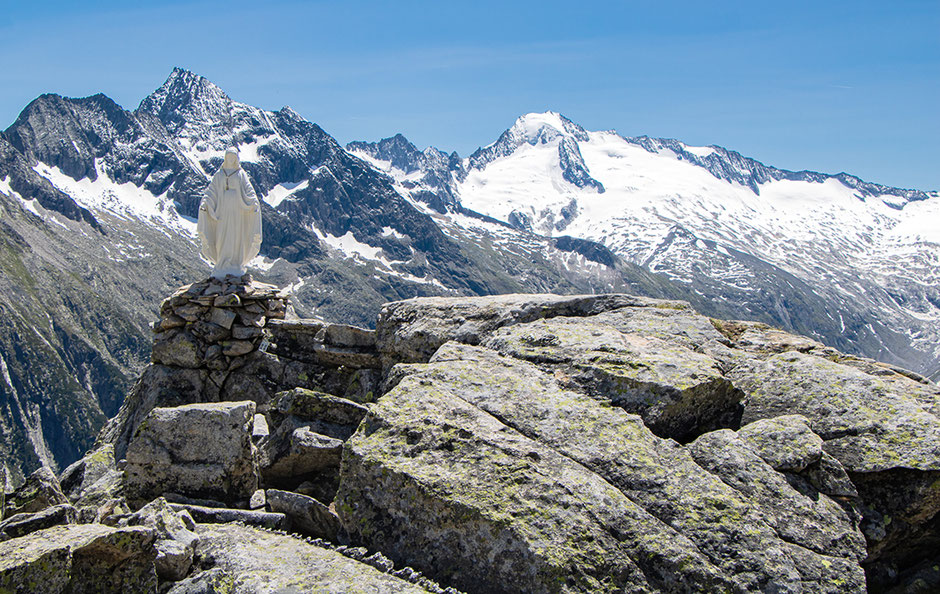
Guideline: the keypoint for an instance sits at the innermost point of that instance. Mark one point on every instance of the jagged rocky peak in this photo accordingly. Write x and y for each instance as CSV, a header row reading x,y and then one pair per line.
x,y
187,97
531,128
400,153
427,176
70,133
397,150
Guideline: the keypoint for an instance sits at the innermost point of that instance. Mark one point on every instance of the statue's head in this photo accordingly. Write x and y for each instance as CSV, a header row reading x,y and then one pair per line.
x,y
231,159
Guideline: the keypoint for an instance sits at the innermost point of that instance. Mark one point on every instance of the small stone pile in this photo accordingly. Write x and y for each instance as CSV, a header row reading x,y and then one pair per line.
x,y
216,322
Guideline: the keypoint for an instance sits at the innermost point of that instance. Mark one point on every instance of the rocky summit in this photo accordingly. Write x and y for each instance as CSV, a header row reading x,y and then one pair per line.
x,y
512,443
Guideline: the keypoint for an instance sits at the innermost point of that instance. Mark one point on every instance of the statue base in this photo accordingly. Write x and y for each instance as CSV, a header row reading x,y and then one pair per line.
x,y
214,323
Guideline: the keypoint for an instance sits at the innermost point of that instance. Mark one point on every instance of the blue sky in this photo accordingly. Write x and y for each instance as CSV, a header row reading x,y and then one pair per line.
x,y
829,86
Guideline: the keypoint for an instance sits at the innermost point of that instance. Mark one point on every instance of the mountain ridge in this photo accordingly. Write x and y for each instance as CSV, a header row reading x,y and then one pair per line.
x,y
537,189
97,224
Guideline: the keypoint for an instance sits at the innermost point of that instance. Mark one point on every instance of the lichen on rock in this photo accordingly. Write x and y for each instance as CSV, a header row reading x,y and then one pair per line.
x,y
510,443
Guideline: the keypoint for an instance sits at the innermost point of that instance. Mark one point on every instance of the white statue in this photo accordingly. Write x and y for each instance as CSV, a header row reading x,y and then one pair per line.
x,y
230,219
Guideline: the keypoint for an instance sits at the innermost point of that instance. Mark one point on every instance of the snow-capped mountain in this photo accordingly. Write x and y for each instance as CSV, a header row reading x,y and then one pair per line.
x,y
853,263
97,207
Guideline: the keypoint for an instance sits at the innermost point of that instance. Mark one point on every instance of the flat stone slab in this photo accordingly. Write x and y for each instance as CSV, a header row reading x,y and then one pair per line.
x,y
258,561
222,515
23,523
410,331
679,393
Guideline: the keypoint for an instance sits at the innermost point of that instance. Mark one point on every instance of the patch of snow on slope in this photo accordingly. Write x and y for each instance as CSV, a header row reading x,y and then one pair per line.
x,y
262,263
353,248
123,200
389,232
283,191
5,186
699,151
249,152
380,164
386,167
349,245
294,287
530,180
30,205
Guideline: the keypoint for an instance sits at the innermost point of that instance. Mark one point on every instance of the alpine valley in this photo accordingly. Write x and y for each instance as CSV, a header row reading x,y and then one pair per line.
x,y
97,207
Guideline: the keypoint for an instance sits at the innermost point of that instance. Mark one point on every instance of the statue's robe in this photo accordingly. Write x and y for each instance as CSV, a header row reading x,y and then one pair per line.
x,y
229,224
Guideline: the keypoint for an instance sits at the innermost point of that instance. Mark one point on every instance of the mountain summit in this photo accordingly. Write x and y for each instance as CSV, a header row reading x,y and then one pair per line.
x,y
187,98
849,262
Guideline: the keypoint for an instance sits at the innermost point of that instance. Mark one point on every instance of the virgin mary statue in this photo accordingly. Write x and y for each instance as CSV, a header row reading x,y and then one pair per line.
x,y
229,222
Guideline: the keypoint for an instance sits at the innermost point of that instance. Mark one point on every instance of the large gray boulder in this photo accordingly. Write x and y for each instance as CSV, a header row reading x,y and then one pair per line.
x,y
196,450
883,430
75,559
158,386
692,509
679,393
442,485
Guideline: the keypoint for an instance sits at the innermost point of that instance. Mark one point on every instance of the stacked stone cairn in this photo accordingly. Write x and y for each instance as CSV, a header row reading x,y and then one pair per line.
x,y
216,322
